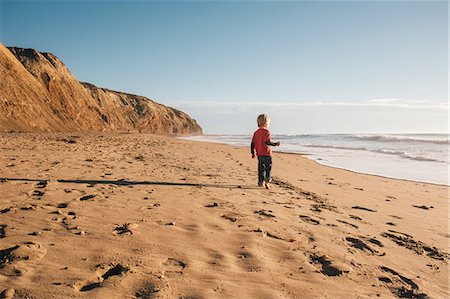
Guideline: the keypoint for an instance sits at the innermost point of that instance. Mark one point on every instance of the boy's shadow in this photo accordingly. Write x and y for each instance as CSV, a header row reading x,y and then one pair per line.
x,y
132,183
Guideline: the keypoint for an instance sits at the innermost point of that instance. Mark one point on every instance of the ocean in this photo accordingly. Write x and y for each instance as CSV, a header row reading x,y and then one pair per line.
x,y
416,157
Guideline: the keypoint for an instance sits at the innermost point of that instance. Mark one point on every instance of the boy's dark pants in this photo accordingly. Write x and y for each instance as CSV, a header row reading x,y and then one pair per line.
x,y
264,168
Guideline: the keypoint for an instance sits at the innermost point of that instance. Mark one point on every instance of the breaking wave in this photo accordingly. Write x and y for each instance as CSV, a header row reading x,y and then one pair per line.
x,y
432,138
401,154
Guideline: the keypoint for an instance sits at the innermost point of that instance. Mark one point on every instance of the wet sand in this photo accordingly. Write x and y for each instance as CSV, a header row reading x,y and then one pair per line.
x,y
144,216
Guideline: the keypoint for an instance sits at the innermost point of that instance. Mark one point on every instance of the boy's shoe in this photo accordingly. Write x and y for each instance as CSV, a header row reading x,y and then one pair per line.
x,y
260,184
267,186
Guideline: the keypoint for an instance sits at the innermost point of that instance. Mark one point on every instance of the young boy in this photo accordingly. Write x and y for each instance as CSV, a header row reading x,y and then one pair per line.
x,y
260,143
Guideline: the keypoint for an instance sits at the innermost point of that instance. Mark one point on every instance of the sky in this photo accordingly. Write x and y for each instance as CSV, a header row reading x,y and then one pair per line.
x,y
313,66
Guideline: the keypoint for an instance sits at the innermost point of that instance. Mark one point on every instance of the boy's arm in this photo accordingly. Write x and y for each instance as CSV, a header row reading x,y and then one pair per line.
x,y
268,142
272,143
252,146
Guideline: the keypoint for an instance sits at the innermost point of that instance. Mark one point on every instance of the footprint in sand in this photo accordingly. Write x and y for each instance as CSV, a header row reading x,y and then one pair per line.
x,y
8,293
65,221
355,217
29,207
104,273
216,259
417,247
248,261
423,207
174,266
87,197
41,184
213,205
347,223
266,213
147,290
191,227
329,268
23,252
309,220
399,285
5,210
375,241
318,207
363,208
62,205
36,193
230,216
276,237
361,245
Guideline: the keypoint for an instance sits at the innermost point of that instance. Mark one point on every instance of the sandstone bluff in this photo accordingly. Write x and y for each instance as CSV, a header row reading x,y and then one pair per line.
x,y
39,94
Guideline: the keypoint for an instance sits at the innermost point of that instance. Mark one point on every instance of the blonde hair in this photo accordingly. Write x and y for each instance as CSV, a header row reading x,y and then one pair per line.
x,y
263,120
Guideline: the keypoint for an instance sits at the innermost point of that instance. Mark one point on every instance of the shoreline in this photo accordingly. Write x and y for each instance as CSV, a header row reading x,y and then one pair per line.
x,y
369,174
323,164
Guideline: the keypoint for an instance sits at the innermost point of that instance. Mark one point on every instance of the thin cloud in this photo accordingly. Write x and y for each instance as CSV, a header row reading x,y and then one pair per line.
x,y
244,105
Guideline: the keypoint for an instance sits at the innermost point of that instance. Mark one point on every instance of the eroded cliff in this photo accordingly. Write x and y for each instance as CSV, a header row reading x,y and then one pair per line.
x,y
38,93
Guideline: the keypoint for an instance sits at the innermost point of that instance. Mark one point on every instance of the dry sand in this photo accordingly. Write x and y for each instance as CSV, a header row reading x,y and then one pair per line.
x,y
142,216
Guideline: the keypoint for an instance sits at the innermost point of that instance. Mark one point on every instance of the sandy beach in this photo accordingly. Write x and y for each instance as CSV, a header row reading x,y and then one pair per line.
x,y
147,216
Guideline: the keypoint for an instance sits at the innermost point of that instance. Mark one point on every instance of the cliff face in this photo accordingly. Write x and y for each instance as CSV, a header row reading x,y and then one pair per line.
x,y
121,109
38,93
24,104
